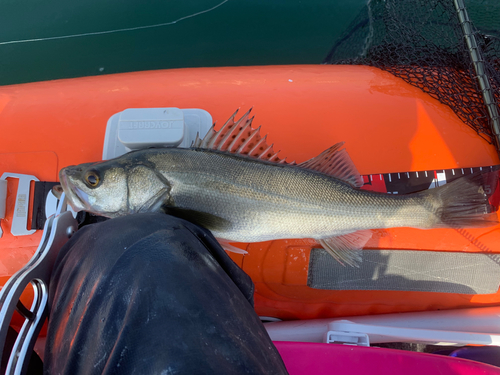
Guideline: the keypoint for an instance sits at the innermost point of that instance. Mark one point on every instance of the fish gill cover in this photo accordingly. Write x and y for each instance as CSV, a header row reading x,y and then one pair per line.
x,y
448,48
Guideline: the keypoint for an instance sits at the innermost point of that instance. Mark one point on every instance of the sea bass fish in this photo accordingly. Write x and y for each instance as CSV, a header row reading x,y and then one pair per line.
x,y
232,183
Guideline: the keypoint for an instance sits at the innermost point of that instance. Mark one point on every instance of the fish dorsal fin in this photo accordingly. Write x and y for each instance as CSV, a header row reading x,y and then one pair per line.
x,y
239,138
336,163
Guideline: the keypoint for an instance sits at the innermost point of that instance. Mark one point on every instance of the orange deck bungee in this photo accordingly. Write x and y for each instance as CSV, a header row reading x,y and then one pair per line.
x,y
388,126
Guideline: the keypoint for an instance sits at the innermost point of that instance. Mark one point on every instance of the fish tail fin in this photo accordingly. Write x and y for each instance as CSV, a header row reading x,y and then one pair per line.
x,y
464,203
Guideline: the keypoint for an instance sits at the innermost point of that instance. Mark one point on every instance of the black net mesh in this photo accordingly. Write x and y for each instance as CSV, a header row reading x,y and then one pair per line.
x,y
424,42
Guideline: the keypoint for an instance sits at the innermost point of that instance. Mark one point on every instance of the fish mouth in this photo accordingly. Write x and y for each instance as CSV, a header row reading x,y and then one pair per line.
x,y
76,197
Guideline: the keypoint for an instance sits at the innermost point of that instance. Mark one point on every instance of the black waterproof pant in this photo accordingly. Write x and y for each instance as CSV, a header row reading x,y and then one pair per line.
x,y
153,294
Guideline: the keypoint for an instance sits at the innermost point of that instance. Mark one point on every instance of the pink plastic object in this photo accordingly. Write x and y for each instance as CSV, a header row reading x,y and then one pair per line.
x,y
321,359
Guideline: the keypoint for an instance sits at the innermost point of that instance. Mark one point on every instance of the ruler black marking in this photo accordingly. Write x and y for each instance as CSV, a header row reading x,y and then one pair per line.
x,y
410,182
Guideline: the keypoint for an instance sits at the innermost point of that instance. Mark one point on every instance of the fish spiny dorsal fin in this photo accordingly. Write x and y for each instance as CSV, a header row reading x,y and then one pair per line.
x,y
336,163
240,138
197,142
234,132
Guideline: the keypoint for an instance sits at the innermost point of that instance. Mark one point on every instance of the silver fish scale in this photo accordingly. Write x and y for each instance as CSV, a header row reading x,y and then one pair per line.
x,y
260,201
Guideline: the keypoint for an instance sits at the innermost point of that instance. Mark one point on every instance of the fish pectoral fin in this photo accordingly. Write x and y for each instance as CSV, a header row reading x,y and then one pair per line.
x,y
206,220
335,162
228,247
346,248
154,203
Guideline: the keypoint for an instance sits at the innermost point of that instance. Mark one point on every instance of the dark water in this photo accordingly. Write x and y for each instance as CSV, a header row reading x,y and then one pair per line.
x,y
194,33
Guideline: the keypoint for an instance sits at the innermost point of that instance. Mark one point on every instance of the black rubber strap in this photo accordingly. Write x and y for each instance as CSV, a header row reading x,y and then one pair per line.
x,y
42,188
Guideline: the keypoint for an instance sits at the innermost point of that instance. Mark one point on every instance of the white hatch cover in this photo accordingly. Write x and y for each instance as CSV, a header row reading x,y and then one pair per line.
x,y
137,128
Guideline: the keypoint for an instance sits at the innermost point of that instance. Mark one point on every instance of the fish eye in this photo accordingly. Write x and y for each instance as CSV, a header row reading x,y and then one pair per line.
x,y
92,178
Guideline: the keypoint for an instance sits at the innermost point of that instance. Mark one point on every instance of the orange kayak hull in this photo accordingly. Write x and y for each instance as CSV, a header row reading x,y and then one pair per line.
x,y
387,125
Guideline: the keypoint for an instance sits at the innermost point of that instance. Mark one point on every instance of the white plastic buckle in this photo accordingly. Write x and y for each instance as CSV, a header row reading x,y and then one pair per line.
x,y
347,338
20,217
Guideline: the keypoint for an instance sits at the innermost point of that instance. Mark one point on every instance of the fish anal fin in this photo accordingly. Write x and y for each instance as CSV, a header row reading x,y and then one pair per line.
x,y
346,248
335,162
239,137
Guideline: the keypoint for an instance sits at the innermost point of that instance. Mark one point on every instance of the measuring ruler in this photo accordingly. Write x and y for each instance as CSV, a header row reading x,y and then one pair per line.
x,y
411,182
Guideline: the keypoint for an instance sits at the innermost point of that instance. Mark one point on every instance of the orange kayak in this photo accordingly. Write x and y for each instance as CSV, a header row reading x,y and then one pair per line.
x,y
398,137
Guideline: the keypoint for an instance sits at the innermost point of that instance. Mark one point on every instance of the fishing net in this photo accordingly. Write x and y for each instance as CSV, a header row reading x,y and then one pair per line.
x,y
448,48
